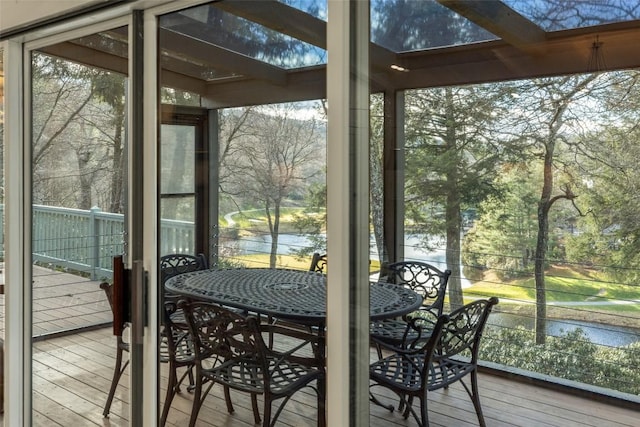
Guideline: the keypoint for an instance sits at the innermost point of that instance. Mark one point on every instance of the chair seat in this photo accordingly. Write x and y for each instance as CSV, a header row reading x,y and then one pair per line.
x,y
404,372
245,374
396,332
184,351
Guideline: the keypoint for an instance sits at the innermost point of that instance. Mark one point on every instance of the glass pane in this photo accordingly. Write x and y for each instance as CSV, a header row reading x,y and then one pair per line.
x,y
412,25
191,30
476,179
177,159
78,144
555,15
274,175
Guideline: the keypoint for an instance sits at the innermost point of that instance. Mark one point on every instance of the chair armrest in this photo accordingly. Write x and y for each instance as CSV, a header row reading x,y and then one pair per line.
x,y
301,346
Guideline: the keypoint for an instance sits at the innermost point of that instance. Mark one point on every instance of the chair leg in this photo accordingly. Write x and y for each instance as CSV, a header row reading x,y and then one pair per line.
x,y
271,321
117,373
322,415
406,406
424,412
172,388
475,398
190,373
266,421
379,350
227,399
197,401
401,404
256,411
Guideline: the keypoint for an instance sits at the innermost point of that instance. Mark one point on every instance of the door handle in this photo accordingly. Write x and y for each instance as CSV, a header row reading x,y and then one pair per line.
x,y
139,302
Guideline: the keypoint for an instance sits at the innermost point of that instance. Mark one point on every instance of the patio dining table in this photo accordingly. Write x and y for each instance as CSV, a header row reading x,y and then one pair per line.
x,y
294,295
291,295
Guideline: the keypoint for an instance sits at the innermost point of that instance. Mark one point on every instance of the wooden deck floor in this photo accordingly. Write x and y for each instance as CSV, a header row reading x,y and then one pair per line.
x,y
72,375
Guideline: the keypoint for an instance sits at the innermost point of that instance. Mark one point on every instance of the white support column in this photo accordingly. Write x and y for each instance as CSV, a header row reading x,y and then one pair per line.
x,y
348,213
17,261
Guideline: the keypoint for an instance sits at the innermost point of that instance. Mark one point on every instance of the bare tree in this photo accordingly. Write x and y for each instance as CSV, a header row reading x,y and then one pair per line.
x,y
78,112
552,106
273,160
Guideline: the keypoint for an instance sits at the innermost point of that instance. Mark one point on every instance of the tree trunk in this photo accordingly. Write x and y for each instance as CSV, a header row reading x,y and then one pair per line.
x,y
85,177
274,229
454,220
117,174
541,245
453,216
376,189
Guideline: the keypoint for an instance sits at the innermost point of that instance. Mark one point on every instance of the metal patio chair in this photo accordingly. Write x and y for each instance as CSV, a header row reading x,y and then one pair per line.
x,y
177,349
230,351
173,264
176,353
422,278
448,356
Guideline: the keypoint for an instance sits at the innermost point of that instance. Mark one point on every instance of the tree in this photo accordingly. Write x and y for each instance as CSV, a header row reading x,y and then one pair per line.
x,y
610,235
551,108
503,237
77,111
233,128
452,152
110,88
376,178
274,160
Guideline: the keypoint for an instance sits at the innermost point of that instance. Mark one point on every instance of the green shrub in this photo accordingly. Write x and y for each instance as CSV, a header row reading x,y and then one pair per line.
x,y
571,356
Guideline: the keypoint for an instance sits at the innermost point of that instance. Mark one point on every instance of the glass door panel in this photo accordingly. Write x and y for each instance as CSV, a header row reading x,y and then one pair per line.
x,y
78,164
182,146
259,174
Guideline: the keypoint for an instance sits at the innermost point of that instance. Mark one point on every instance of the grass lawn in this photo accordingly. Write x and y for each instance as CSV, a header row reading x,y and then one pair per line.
x,y
563,284
282,261
286,261
256,219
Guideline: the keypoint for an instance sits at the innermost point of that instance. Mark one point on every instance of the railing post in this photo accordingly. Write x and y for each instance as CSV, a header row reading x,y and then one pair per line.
x,y
94,235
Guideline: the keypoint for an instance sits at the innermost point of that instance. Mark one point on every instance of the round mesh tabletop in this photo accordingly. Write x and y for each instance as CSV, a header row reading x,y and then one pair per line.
x,y
289,294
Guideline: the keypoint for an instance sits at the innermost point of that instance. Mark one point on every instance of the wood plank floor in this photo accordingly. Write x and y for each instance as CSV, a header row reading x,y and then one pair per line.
x,y
72,375
62,301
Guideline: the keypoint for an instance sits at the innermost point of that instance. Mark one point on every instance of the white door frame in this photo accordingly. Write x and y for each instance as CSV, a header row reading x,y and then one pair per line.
x,y
17,361
18,221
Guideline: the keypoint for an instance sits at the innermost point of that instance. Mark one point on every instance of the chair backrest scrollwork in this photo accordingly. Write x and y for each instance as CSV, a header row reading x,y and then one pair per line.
x,y
422,278
318,263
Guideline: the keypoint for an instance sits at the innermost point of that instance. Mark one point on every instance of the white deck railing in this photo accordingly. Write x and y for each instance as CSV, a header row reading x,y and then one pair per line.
x,y
86,240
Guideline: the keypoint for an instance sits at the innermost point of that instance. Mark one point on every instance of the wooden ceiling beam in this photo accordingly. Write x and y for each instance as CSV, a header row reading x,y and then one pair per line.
x,y
502,21
88,56
567,52
179,81
304,84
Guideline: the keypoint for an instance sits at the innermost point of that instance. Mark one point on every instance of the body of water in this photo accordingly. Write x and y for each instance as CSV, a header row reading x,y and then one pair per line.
x,y
614,336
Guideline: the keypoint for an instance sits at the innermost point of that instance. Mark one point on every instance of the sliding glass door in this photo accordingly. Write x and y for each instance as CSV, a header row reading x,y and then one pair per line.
x,y
80,222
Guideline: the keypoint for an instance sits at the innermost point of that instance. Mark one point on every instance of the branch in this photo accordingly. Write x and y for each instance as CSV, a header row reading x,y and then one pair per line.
x,y
568,194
